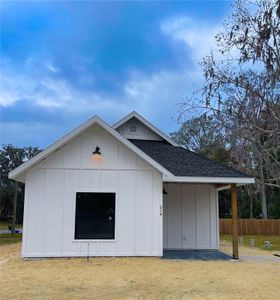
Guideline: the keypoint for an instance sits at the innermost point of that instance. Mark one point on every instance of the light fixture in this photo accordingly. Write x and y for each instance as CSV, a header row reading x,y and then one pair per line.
x,y
97,152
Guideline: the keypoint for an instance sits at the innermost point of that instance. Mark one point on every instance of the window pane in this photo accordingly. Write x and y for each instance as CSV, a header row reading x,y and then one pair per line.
x,y
95,216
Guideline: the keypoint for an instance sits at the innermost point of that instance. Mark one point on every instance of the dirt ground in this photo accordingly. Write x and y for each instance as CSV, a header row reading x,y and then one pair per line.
x,y
140,278
226,247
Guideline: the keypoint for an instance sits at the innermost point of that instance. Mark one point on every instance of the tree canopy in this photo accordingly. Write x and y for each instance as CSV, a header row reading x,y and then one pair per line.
x,y
240,98
10,158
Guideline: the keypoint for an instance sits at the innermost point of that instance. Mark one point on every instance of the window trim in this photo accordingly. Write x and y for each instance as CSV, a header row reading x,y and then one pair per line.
x,y
74,215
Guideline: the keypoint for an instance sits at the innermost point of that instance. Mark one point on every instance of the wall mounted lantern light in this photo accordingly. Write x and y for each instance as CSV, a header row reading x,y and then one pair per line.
x,y
96,153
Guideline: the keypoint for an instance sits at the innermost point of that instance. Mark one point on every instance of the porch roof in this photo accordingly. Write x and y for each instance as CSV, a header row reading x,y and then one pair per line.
x,y
185,163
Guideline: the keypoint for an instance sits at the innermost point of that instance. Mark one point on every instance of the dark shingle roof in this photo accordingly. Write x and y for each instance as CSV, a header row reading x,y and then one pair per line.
x,y
182,162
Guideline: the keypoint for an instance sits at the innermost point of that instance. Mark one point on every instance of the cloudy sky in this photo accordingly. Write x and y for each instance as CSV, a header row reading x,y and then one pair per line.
x,y
63,62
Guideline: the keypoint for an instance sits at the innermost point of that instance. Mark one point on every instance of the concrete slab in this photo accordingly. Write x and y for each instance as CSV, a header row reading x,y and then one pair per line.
x,y
195,255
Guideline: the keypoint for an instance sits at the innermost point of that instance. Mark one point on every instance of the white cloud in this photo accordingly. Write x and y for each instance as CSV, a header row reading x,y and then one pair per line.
x,y
158,95
14,86
155,95
199,37
51,66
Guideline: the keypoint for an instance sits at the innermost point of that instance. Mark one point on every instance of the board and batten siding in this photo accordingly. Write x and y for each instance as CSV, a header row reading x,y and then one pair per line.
x,y
190,216
50,196
134,129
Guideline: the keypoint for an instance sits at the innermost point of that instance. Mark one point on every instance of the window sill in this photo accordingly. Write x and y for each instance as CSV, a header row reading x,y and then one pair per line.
x,y
94,241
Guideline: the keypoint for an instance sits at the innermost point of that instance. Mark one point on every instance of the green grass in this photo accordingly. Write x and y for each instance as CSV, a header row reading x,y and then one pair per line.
x,y
9,238
4,225
259,241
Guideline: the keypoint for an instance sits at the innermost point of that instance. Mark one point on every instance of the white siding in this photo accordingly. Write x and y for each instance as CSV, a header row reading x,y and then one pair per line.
x,y
34,214
189,210
50,200
53,211
144,208
142,132
165,222
190,217
174,220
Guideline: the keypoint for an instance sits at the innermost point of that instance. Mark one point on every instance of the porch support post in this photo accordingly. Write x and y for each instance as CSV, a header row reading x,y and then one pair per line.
x,y
234,221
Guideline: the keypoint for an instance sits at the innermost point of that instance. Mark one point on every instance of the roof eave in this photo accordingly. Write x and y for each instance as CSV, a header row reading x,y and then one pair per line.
x,y
194,179
17,172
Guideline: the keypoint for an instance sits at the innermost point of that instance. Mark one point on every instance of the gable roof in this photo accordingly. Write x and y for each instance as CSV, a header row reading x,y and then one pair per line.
x,y
176,163
184,163
17,173
134,114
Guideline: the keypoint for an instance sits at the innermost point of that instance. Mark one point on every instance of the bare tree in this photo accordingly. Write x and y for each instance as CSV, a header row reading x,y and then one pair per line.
x,y
242,90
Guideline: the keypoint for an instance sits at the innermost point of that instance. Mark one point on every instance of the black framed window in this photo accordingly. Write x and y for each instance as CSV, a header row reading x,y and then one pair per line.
x,y
95,216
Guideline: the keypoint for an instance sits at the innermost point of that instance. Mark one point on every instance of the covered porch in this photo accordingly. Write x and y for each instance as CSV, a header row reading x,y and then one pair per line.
x,y
190,202
191,217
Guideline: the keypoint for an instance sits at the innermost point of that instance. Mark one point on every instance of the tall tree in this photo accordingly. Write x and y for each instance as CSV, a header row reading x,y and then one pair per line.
x,y
242,90
10,192
203,135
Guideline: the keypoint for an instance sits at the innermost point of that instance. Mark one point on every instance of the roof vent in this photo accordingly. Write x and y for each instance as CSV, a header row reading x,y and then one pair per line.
x,y
133,129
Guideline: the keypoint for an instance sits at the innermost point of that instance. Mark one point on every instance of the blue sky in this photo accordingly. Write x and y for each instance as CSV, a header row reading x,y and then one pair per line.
x,y
63,62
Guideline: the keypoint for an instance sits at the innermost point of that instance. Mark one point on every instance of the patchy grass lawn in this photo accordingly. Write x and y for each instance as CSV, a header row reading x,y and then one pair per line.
x,y
9,238
259,241
4,225
130,278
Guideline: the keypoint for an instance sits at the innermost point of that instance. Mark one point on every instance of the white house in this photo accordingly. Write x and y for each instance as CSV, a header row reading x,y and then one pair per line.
x,y
121,190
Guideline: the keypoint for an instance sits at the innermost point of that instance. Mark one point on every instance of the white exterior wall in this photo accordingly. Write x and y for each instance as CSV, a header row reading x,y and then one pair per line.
x,y
142,131
50,196
190,216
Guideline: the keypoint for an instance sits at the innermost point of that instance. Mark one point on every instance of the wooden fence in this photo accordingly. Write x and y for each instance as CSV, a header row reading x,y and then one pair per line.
x,y
252,226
